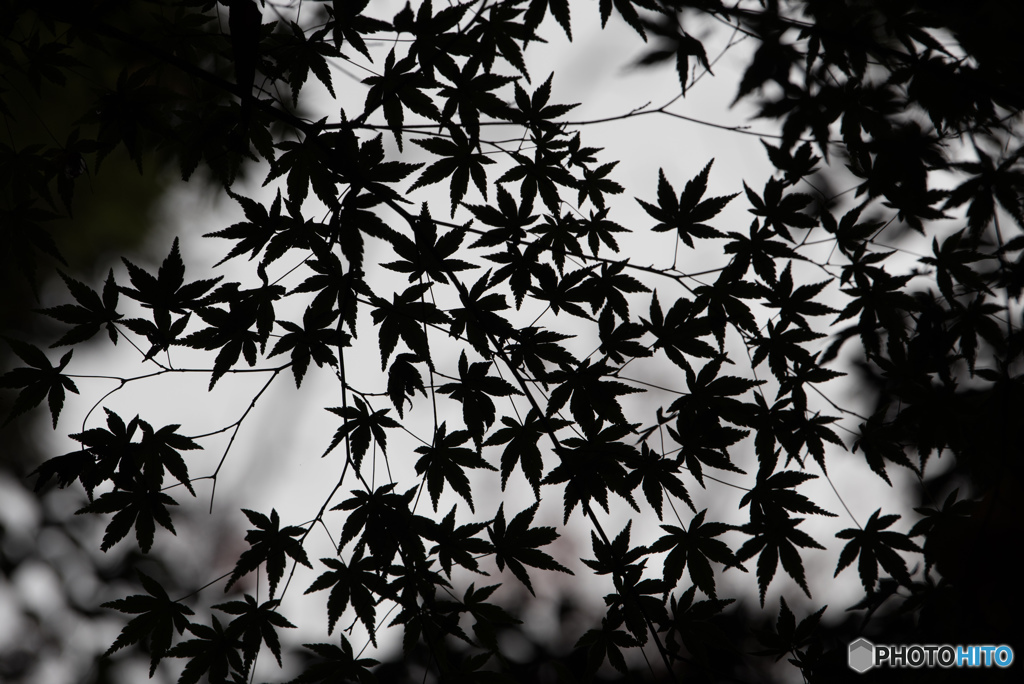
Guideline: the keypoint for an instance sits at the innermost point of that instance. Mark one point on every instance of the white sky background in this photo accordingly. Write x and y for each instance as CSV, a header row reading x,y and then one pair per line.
x,y
275,460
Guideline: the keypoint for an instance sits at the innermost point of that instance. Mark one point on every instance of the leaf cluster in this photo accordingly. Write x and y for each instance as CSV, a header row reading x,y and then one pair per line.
x,y
548,390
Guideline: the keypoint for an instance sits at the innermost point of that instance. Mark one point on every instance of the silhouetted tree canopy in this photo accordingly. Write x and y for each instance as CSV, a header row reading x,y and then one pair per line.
x,y
449,249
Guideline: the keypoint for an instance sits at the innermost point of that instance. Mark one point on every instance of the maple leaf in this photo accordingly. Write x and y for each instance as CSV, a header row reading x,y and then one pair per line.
x,y
688,213
705,441
618,341
771,424
269,544
168,290
813,107
878,442
66,469
951,261
937,525
41,381
534,111
632,598
386,522
778,211
361,165
712,395
781,346
691,622
254,233
519,267
161,334
776,539
510,219
158,451
694,548
591,399
90,313
111,454
608,641
594,185
435,42
533,346
979,317
460,161
470,94
655,472
255,624
307,164
805,372
403,381
303,54
404,316
214,653
773,61
458,544
608,286
358,426
813,432
347,23
400,87
444,460
230,331
477,318
428,621
333,284
295,232
850,235
95,463
988,185
723,300
474,391
759,249
876,547
619,557
628,12
156,618
561,293
773,495
677,45
880,299
559,10
796,165
597,229
594,466
338,663
428,254
541,174
488,617
517,544
357,582
497,32
141,508
788,637
792,304
679,331
314,340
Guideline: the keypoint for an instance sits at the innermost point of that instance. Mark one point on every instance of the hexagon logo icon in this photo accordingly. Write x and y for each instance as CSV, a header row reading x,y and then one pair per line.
x,y
861,655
